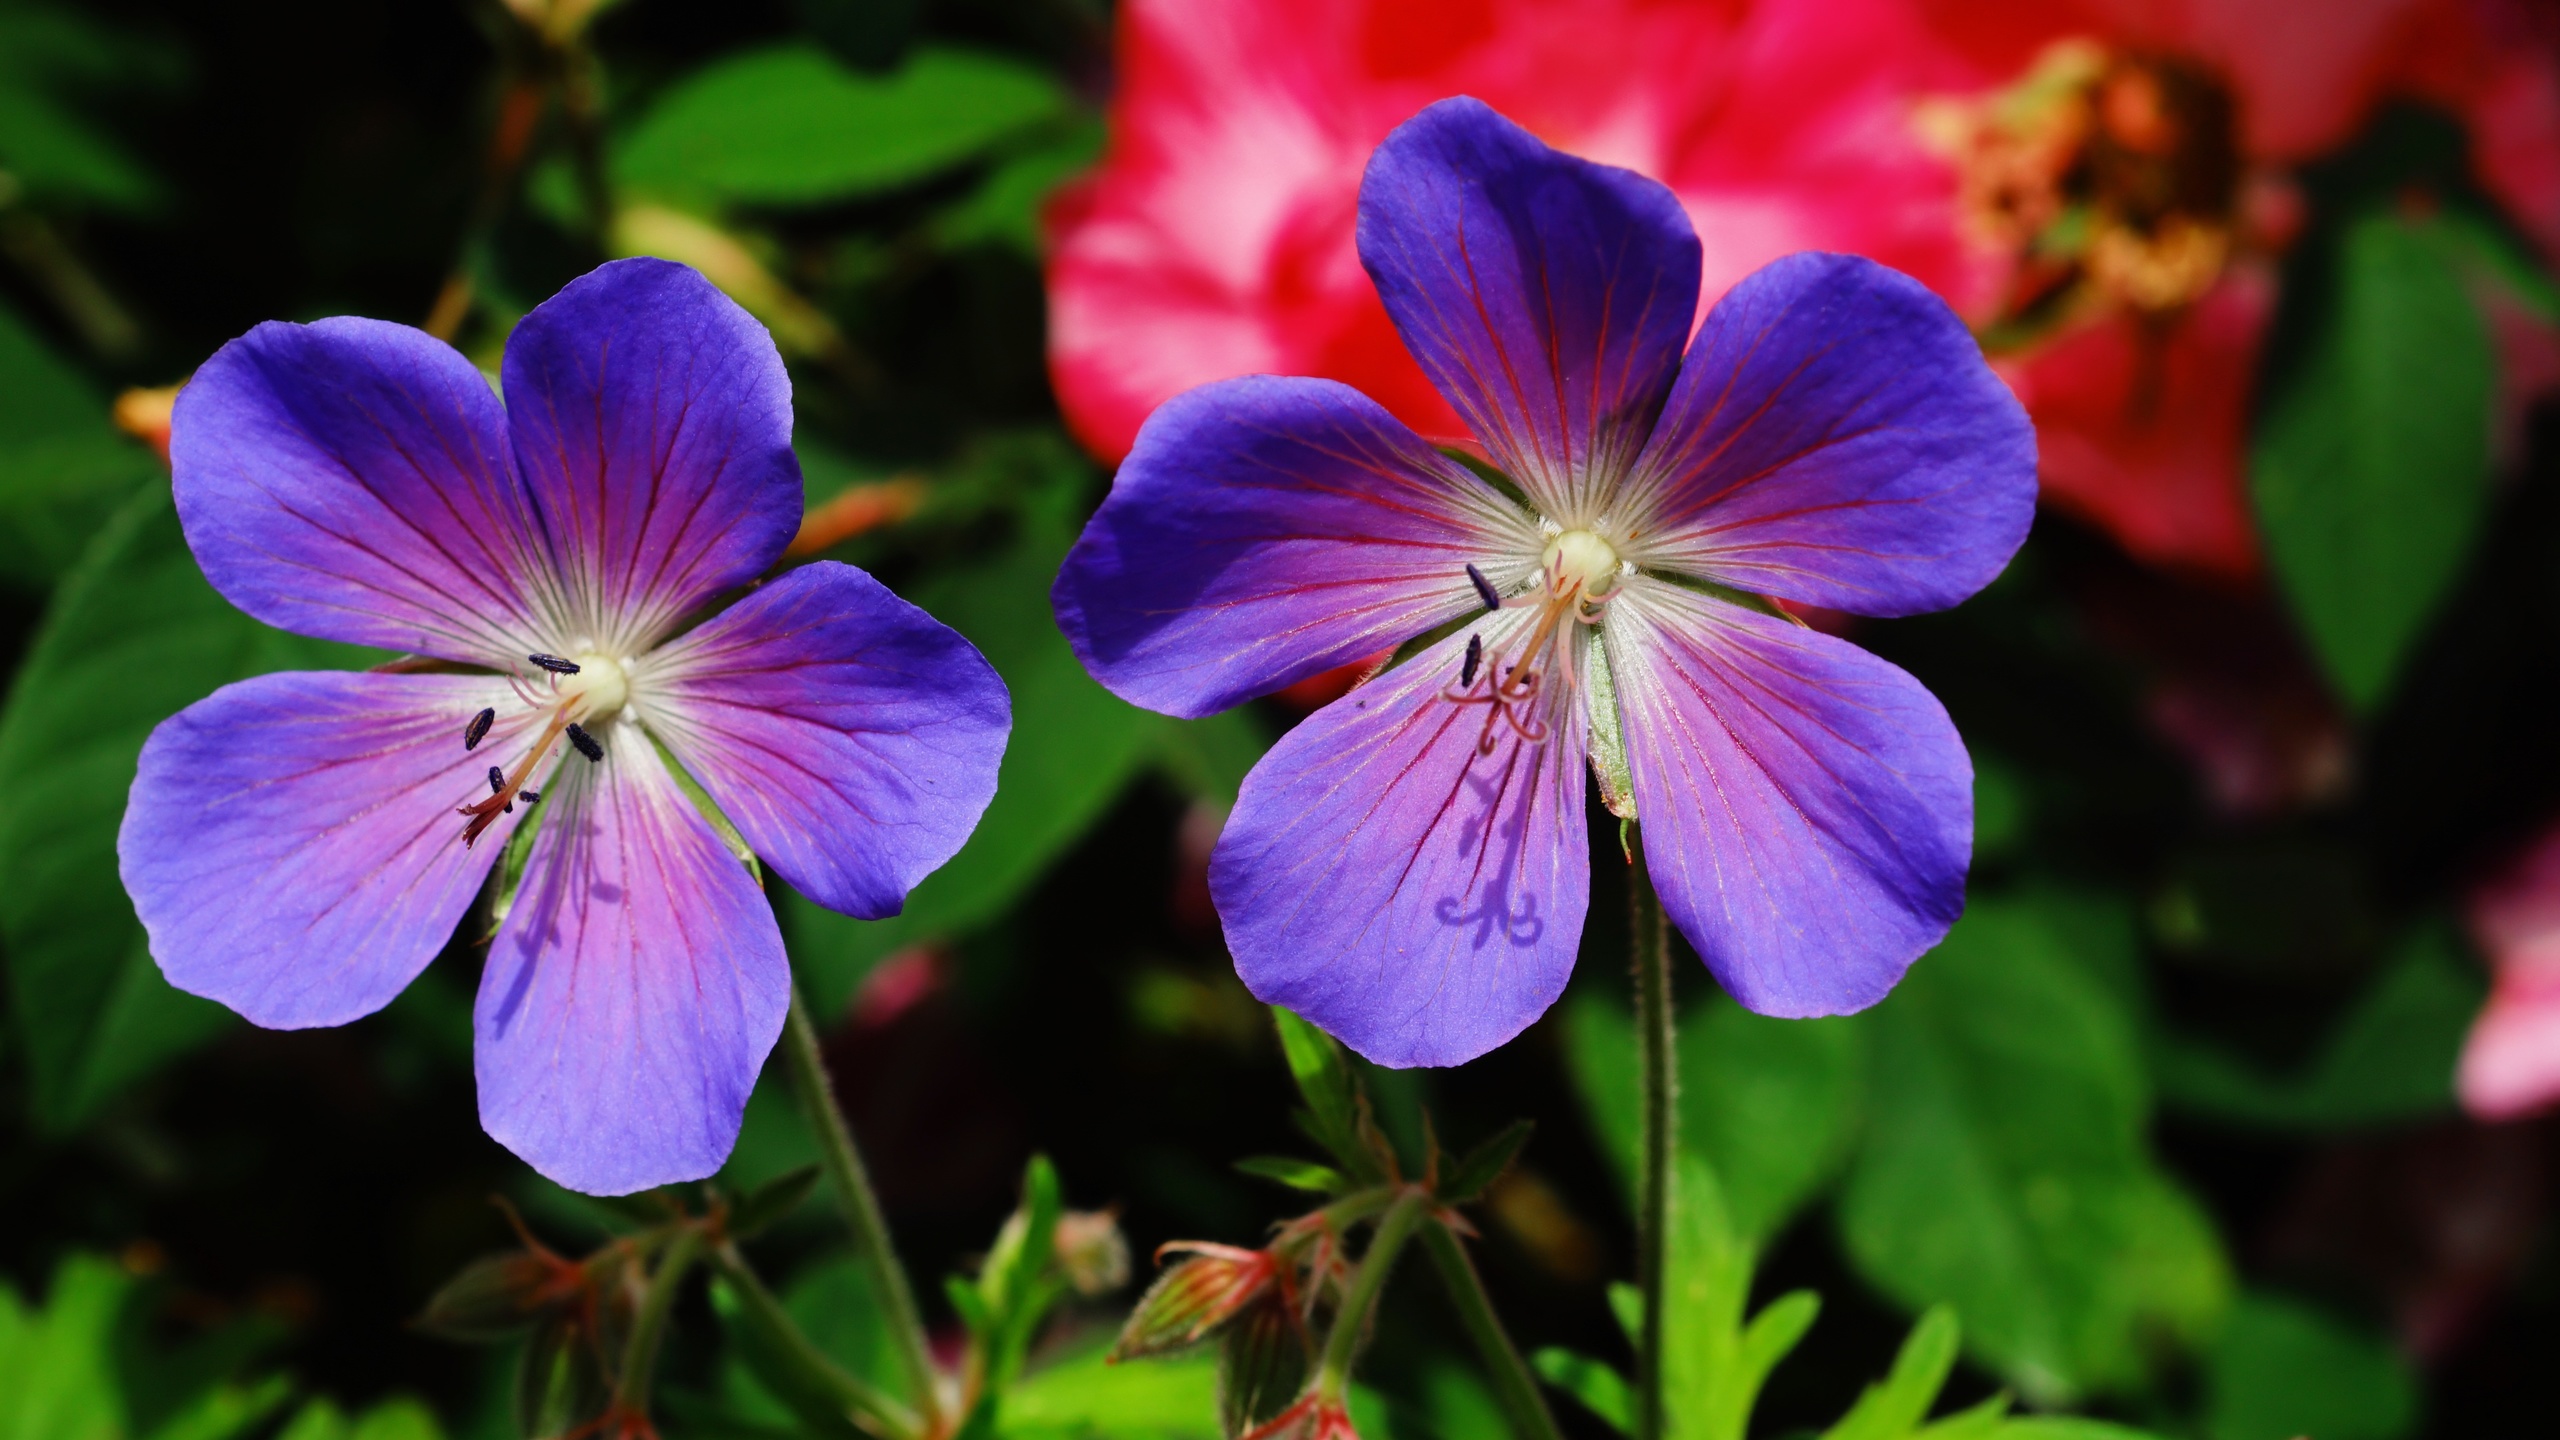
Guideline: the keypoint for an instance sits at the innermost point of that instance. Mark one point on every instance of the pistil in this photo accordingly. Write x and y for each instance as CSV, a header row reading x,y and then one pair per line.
x,y
590,690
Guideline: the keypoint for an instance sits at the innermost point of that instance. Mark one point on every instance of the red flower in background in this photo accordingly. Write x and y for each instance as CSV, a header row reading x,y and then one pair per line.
x,y
2096,184
2126,157
2511,1062
1217,238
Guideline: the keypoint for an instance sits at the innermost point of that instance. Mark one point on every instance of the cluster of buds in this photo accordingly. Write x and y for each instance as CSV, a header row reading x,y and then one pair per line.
x,y
579,1315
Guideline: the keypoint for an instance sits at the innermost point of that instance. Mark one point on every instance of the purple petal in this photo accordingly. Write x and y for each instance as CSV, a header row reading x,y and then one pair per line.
x,y
1836,438
1547,297
634,990
1807,808
1266,529
852,738
652,423
1384,879
350,479
291,843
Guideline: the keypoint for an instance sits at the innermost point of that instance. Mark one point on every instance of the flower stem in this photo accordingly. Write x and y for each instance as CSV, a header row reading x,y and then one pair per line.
x,y
1513,1384
1656,1131
1333,1375
858,1397
871,1247
640,1352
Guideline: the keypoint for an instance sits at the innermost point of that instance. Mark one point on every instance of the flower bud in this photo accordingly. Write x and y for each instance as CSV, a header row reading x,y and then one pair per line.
x,y
1091,1251
1191,1301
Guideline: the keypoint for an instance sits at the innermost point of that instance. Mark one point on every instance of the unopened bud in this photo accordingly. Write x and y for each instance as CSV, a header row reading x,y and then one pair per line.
x,y
1092,1252
1189,1302
496,1296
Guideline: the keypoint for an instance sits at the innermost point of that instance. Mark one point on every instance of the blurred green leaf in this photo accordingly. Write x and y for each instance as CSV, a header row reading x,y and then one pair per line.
x,y
1772,1105
1295,1173
2371,466
1074,746
400,1418
60,1377
2004,1166
2390,1058
1004,209
1893,1407
133,635
51,58
1599,1387
1713,1364
793,126
1085,1398
2281,1368
63,466
832,1306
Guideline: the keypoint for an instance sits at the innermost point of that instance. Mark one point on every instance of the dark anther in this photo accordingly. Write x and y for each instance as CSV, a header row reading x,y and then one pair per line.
x,y
585,743
530,798
497,781
511,807
478,729
1475,657
1484,591
555,664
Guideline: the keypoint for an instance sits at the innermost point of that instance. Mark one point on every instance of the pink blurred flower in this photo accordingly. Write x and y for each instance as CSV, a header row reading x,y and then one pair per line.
x,y
2511,1062
1217,238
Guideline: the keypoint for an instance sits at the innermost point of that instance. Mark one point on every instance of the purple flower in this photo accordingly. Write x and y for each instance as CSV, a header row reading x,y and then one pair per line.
x,y
1409,868
299,846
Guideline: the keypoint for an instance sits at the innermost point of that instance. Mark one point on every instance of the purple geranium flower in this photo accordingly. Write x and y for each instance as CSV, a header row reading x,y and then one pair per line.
x,y
299,846
1409,868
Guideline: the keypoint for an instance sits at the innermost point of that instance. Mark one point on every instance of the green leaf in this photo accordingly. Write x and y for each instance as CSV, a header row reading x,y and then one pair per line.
x,y
1322,1071
2371,466
1602,1390
50,59
1771,1105
792,126
65,1375
772,1202
2004,1167
1086,1398
1297,1174
63,467
2281,1368
1075,746
1005,208
2390,1058
1476,1171
1894,1406
134,635
1713,1365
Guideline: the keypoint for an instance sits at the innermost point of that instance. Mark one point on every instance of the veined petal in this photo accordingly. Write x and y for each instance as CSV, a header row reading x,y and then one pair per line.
x,y
350,479
851,737
652,422
1546,296
1267,529
1396,882
634,991
291,842
1835,438
1808,808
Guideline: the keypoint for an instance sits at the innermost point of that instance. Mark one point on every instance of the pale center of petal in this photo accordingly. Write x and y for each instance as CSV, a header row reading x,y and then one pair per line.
x,y
1578,564
598,691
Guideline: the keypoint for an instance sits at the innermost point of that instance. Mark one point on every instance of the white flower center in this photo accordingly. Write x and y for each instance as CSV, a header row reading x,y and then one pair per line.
x,y
598,691
1579,563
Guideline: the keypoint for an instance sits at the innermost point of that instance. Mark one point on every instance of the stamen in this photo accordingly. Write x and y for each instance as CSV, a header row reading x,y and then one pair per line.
x,y
497,781
478,729
1484,589
530,798
585,743
555,664
1475,657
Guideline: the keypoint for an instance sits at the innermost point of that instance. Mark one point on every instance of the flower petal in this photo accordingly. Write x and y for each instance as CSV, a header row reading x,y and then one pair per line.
x,y
1268,529
1383,878
635,989
1835,438
851,737
1546,296
1807,808
291,845
652,422
350,479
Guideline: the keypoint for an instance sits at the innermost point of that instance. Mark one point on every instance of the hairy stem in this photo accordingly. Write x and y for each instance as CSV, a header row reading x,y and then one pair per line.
x,y
843,1164
1656,1132
1513,1384
1333,1375
649,1327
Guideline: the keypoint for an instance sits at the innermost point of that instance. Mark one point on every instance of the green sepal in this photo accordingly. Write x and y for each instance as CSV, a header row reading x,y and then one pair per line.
x,y
771,1202
1476,1171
